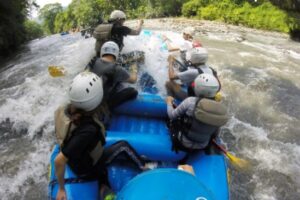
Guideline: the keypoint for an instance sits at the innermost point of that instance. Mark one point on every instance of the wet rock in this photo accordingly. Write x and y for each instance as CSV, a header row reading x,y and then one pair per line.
x,y
240,39
295,35
205,27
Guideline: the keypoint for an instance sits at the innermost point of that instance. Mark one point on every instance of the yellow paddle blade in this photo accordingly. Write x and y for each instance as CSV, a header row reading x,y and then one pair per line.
x,y
228,176
218,97
56,71
238,162
49,171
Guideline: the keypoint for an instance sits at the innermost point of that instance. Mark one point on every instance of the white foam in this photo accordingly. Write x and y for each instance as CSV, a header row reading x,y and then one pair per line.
x,y
155,55
31,104
281,157
294,54
248,131
263,192
42,94
245,54
34,167
270,154
269,51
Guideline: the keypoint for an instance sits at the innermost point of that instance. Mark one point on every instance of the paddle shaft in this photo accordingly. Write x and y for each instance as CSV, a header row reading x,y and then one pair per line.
x,y
220,147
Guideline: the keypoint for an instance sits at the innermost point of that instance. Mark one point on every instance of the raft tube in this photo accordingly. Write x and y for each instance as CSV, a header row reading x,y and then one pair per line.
x,y
142,123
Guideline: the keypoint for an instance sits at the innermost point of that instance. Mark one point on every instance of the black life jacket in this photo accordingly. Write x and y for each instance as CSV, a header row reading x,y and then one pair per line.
x,y
117,38
64,129
189,133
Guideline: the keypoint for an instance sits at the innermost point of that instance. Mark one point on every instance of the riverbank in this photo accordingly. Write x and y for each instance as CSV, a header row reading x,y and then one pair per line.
x,y
204,27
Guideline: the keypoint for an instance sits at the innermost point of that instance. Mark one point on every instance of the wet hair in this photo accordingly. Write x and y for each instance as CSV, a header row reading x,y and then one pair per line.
x,y
77,114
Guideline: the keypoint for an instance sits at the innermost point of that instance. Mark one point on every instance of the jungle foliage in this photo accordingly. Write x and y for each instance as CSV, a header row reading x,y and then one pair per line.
x,y
261,14
15,28
273,15
277,15
88,13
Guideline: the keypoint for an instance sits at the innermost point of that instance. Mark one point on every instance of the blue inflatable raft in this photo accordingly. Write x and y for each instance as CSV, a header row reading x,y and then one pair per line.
x,y
142,122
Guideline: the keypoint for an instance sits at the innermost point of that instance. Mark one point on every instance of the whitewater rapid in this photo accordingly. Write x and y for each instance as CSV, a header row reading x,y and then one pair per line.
x,y
261,87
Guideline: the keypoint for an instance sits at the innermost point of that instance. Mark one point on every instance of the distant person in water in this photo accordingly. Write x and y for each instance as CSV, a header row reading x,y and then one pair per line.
x,y
114,76
114,30
81,135
197,65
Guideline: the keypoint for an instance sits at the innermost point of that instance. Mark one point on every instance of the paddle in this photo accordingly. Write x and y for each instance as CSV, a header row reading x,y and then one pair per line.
x,y
237,162
56,71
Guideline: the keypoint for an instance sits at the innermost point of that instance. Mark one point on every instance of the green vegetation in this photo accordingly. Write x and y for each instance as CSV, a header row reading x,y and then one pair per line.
x,y
276,15
12,16
14,28
48,13
261,14
33,30
88,13
80,13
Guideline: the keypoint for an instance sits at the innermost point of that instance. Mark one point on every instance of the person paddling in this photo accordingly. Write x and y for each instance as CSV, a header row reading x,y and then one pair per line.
x,y
81,135
196,120
114,30
186,44
114,76
197,65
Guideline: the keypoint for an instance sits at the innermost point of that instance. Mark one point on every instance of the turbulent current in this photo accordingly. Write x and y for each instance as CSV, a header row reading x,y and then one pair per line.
x,y
260,83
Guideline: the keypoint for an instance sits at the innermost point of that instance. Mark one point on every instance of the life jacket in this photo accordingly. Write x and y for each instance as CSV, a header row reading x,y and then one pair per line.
x,y
102,34
201,71
117,38
189,133
64,128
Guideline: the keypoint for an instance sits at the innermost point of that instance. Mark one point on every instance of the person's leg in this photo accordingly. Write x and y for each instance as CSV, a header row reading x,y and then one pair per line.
x,y
103,113
120,97
106,193
175,90
122,147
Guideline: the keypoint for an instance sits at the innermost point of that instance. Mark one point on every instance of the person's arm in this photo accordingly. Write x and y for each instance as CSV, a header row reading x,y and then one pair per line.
x,y
169,44
138,30
172,74
187,168
180,110
133,73
60,164
171,48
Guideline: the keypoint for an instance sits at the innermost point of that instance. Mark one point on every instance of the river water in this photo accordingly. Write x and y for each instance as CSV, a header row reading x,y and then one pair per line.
x,y
261,87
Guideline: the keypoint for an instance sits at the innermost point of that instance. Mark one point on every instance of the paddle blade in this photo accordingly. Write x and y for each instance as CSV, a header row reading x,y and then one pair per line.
x,y
56,71
218,96
238,162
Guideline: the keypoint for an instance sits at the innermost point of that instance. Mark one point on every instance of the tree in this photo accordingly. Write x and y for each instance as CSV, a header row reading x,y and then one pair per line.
x,y
48,14
167,7
86,12
33,30
12,17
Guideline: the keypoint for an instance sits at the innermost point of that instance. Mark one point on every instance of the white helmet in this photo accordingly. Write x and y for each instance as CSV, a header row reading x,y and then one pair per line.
x,y
206,85
197,55
86,91
117,14
189,30
110,48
